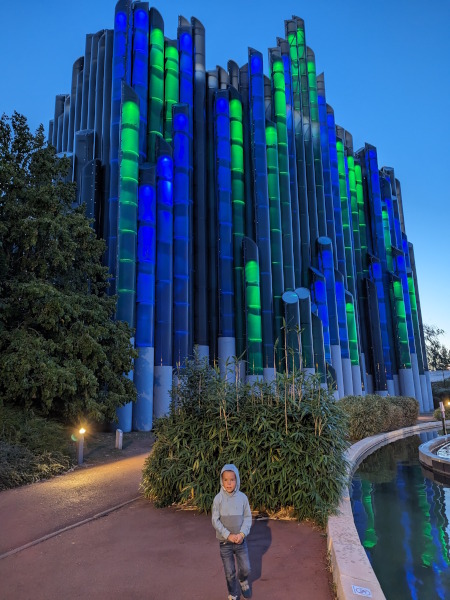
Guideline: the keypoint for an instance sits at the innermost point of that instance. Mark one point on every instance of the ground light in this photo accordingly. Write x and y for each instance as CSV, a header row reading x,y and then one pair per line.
x,y
80,446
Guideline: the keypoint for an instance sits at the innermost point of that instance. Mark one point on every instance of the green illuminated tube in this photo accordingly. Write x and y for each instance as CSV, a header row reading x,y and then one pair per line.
x,y
353,343
276,242
304,297
171,85
279,116
355,213
307,138
361,218
346,219
316,147
155,83
291,35
127,220
238,206
427,394
401,337
252,310
293,183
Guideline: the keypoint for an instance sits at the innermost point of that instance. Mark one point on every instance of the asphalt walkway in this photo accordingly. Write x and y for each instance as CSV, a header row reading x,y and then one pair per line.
x,y
89,534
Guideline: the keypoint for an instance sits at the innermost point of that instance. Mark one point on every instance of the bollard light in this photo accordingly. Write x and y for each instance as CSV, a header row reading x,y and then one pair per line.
x,y
119,439
82,431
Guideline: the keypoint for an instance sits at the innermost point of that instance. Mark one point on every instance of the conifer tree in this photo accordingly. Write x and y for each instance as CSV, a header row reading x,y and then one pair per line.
x,y
62,353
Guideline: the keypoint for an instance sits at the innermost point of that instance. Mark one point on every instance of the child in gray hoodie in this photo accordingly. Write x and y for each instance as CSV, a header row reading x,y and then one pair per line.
x,y
232,519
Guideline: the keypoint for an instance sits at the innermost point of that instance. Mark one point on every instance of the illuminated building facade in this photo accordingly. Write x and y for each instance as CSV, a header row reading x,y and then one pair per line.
x,y
237,214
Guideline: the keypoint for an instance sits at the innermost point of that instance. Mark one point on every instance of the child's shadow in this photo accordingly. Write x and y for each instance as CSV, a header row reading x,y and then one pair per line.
x,y
259,541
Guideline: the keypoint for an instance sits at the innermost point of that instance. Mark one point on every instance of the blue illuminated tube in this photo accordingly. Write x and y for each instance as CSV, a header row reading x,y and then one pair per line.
x,y
186,65
145,299
222,145
140,69
334,173
98,111
326,167
318,291
249,199
326,266
106,130
261,202
343,333
164,278
211,87
181,272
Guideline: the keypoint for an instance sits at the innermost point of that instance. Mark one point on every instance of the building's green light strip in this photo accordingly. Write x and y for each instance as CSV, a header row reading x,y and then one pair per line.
x,y
171,86
352,333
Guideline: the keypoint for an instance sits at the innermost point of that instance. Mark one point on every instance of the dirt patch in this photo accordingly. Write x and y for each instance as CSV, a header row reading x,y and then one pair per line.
x,y
99,447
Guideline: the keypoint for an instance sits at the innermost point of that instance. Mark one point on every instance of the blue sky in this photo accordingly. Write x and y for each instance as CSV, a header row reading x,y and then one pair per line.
x,y
387,75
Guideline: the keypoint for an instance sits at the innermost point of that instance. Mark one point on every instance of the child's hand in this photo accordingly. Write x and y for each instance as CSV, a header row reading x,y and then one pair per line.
x,y
234,538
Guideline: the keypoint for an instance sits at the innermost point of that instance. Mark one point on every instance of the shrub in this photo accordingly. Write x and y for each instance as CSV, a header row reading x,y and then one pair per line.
x,y
287,440
31,448
437,413
372,414
441,392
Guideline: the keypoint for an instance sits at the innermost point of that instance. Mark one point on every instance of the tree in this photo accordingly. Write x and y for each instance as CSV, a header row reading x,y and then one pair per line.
x,y
61,352
438,355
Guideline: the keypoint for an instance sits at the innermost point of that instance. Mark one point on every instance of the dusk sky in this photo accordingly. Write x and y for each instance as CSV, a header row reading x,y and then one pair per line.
x,y
387,76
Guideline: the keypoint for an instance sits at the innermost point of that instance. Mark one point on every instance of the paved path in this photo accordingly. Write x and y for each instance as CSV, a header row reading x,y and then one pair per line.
x,y
137,551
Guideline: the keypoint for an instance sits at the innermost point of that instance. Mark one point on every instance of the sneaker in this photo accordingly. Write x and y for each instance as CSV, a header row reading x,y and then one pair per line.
x,y
246,589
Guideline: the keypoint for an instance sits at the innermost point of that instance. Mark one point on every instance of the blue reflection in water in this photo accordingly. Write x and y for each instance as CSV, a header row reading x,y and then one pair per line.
x,y
403,520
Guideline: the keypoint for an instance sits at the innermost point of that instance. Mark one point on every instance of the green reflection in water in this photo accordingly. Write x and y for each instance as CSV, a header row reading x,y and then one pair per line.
x,y
403,522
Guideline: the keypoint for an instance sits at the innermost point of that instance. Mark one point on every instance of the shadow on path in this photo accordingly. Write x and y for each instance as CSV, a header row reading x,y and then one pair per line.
x,y
259,541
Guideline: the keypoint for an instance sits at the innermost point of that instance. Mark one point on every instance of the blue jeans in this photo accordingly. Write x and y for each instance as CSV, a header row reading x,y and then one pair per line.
x,y
228,551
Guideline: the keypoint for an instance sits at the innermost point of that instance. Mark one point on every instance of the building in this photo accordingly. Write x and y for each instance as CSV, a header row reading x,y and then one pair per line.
x,y
238,216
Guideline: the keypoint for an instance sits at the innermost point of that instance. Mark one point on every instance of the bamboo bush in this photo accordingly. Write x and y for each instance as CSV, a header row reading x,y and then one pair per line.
x,y
287,439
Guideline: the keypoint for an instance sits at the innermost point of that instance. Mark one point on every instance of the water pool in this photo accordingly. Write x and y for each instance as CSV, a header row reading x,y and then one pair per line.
x,y
403,521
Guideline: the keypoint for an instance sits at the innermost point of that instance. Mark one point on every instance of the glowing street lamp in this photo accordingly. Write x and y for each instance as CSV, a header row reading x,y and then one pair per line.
x,y
82,431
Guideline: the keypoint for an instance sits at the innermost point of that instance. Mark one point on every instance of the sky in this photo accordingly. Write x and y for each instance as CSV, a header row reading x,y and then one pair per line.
x,y
387,76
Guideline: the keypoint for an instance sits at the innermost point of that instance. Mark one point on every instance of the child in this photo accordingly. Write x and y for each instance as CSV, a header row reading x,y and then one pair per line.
x,y
232,519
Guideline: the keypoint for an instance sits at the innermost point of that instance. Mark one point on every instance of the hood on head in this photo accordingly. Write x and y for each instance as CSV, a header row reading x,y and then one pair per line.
x,y
231,467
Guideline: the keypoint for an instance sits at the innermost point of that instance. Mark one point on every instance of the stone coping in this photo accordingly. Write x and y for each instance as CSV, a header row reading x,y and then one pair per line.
x,y
352,572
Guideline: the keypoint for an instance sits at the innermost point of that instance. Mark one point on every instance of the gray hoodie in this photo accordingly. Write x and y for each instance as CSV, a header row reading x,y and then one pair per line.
x,y
231,512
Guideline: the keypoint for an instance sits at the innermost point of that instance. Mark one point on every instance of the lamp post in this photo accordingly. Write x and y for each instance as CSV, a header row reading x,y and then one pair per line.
x,y
81,445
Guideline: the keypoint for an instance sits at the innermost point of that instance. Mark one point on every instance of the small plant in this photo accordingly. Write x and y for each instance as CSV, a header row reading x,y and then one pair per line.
x,y
287,439
372,414
31,448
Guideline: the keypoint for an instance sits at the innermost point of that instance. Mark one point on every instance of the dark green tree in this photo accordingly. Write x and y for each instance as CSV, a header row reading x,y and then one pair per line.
x,y
438,355
61,352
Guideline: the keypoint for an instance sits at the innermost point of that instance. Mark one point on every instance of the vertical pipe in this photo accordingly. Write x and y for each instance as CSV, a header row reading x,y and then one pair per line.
x,y
276,241
212,86
171,85
139,79
86,75
99,92
307,362
127,221
292,332
343,333
261,201
249,202
238,205
145,299
164,279
155,112
181,272
293,189
252,310
76,69
222,146
186,58
106,130
119,74
280,119
200,204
